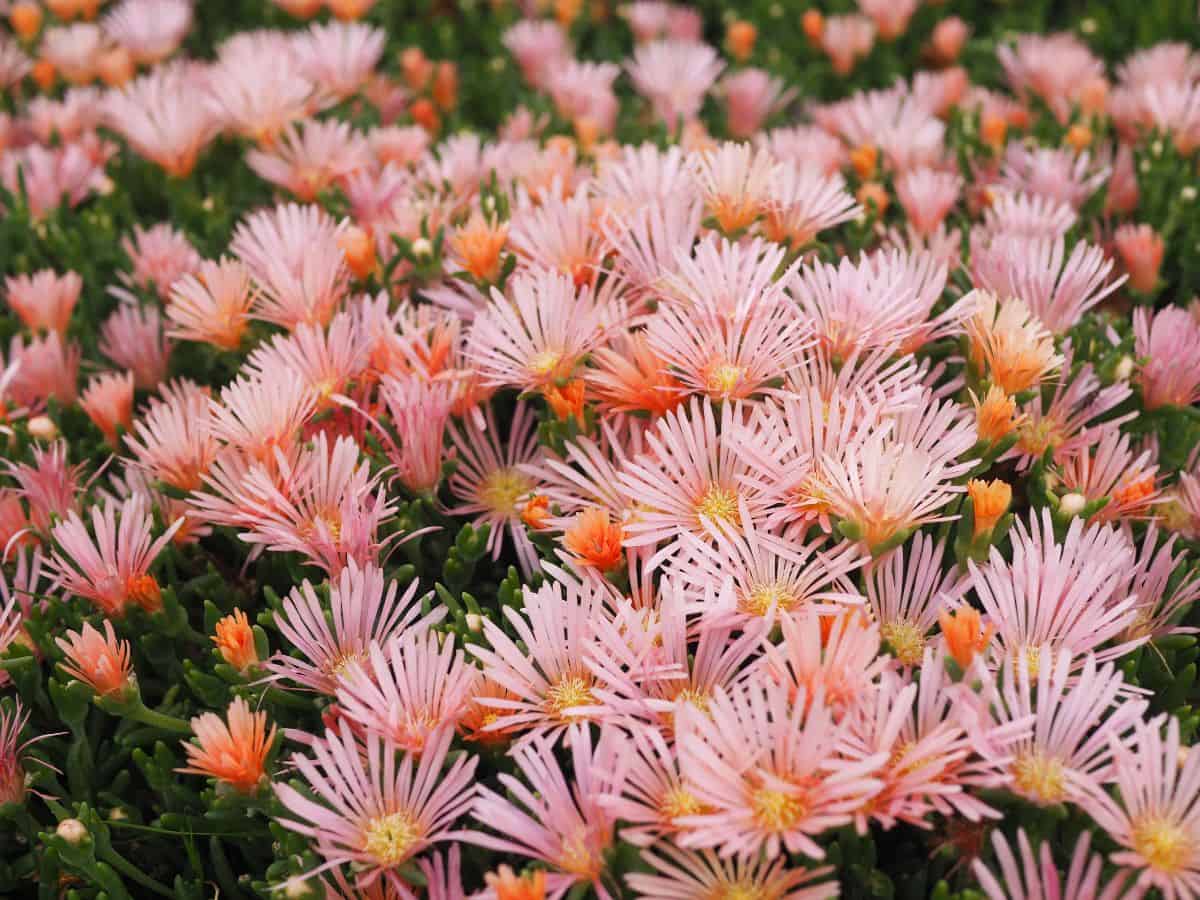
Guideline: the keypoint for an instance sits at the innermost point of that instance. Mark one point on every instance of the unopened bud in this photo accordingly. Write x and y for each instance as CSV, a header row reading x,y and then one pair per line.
x,y
1072,504
43,428
72,831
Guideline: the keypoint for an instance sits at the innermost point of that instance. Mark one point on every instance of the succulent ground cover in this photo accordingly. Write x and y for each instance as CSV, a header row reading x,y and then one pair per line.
x,y
524,451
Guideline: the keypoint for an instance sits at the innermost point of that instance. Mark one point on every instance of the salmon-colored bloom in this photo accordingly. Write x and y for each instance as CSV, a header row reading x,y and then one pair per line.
x,y
235,752
44,300
995,415
740,38
964,634
593,540
477,246
508,885
108,401
235,641
213,304
1141,250
98,660
991,500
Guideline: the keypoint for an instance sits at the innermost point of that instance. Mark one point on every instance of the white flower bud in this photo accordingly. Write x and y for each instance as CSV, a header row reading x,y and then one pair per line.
x,y
1072,504
72,831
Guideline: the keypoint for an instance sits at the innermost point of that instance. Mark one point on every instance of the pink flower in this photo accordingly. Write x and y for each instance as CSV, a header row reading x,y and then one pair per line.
x,y
1057,68
212,305
308,158
14,63
540,47
364,610
1026,215
1039,877
751,96
806,147
700,874
172,440
806,202
256,87
112,569
374,812
1111,470
74,50
258,415
46,177
327,360
1160,596
132,337
14,754
1155,819
150,30
1169,341
846,40
1058,174
558,821
419,411
339,57
891,19
674,76
44,300
928,196
583,93
160,255
49,485
108,402
98,660
560,234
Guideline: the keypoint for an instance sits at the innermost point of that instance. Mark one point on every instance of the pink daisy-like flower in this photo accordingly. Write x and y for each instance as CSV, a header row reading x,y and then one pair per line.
x,y
46,177
1056,174
151,30
1160,596
1115,471
550,683
339,57
172,440
702,874
674,76
407,688
212,305
419,411
1057,68
112,569
736,182
1039,877
768,772
1169,341
256,86
1077,722
846,40
50,486
108,402
365,609
15,64
44,300
906,590
259,415
805,202
927,196
539,47
373,811
1027,216
293,253
548,817
160,255
14,754
490,481
326,359
560,234
806,147
132,337
74,50
751,96
725,278
48,366
98,660
583,93
1061,596
309,157
1155,821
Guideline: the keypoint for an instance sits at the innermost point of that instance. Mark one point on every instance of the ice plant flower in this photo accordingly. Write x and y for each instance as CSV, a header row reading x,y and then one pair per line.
x,y
44,300
695,874
990,501
234,640
594,541
1141,251
964,634
132,337
213,304
160,255
233,751
1010,345
108,401
372,810
1169,342
98,660
1038,876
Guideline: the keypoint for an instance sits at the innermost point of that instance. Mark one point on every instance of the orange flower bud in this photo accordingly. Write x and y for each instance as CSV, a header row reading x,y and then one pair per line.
x,y
872,192
416,67
26,19
864,159
964,633
445,85
235,641
425,115
740,38
145,592
567,11
594,541
996,416
536,511
350,10
477,246
991,500
813,24
358,245
44,74
510,886
567,402
1078,138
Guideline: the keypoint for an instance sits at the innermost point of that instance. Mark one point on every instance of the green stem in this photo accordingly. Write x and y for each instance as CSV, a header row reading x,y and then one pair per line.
x,y
129,870
17,662
136,710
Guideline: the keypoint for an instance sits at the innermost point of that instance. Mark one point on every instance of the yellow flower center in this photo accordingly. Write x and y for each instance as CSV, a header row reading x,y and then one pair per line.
x,y
680,802
724,378
1163,844
738,890
777,811
576,857
906,640
762,598
391,839
544,363
718,504
502,489
698,699
1040,778
572,689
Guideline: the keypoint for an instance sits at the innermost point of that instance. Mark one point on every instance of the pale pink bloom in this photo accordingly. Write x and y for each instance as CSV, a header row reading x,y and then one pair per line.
x,y
648,19
419,411
583,93
47,176
1078,719
160,256
1174,108
212,304
1140,249
404,145
256,86
804,203
132,337
364,611
1057,68
943,244
674,76
586,476
14,63
767,575
70,118
44,300
158,114
112,569
407,688
151,30
540,47
1123,194
1058,288
546,816
560,234
1057,596
376,812
74,50
324,505
1040,877
721,277
640,175
490,482
1027,216
49,486
1169,341
539,336
806,147
891,18
327,360
690,477
14,754
702,874
927,196
751,96
1111,469
339,57
48,367
172,440
684,23
768,772
846,40
647,241
906,590
1057,173
1163,62
258,415
885,300
900,124
293,254
108,402
1156,821
1160,596
309,157
736,183
550,685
